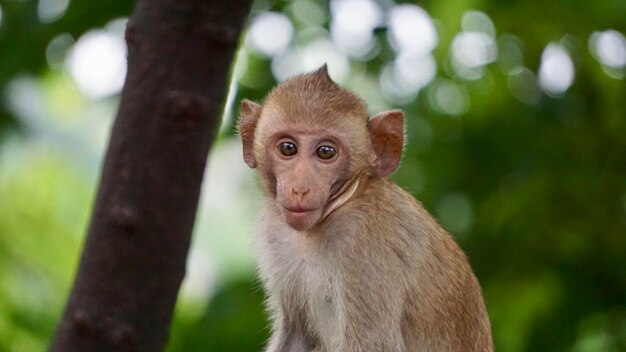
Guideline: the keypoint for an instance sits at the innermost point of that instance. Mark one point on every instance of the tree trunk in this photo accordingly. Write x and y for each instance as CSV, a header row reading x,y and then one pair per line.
x,y
133,261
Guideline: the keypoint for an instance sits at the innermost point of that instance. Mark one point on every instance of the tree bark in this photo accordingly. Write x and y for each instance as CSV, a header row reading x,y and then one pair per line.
x,y
133,261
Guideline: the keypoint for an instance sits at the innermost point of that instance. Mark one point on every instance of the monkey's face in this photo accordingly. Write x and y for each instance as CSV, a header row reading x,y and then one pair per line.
x,y
307,170
312,141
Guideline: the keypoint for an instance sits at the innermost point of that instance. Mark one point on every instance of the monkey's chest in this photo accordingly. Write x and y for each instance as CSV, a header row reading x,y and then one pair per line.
x,y
321,294
312,277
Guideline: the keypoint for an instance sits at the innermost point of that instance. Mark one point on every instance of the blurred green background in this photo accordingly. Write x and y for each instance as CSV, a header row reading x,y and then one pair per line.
x,y
516,126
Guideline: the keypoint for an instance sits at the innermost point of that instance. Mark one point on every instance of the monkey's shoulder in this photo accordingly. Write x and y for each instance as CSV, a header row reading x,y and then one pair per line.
x,y
384,202
388,216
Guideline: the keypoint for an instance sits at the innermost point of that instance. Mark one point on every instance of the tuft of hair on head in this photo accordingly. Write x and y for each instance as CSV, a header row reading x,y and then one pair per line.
x,y
317,90
322,77
317,80
323,71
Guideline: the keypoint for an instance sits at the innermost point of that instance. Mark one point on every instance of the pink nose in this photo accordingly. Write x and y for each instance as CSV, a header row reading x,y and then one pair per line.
x,y
301,192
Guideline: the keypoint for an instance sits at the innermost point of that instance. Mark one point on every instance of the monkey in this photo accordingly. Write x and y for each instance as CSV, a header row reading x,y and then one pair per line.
x,y
350,262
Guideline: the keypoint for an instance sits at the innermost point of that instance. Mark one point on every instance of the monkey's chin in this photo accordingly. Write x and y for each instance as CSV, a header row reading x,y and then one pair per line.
x,y
301,220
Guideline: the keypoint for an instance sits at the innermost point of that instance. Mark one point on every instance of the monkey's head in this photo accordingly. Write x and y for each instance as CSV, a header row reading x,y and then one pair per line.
x,y
312,142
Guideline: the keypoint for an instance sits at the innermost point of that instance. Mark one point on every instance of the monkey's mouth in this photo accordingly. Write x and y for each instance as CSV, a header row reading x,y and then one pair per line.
x,y
299,210
299,218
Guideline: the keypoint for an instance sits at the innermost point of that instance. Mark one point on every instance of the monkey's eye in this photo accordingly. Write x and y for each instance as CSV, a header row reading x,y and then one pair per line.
x,y
287,148
325,152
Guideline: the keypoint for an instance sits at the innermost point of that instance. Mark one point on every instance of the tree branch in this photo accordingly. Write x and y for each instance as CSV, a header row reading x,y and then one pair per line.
x,y
134,256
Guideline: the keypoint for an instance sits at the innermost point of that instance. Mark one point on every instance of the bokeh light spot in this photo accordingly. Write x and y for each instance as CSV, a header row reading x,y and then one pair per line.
x,y
401,80
510,52
57,50
352,26
310,57
25,98
356,16
556,72
448,97
411,29
478,21
473,49
308,12
117,27
522,83
97,63
609,48
270,33
51,10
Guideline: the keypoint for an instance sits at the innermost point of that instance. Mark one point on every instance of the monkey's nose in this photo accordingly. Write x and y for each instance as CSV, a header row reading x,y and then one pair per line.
x,y
299,192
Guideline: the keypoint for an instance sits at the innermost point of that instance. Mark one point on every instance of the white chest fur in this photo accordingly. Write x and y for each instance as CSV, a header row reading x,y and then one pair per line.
x,y
298,270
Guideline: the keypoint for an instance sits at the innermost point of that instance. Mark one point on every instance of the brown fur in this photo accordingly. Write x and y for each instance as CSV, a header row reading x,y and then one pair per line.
x,y
349,260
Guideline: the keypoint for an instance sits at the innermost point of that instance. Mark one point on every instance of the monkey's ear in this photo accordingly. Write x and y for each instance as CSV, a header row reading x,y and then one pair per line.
x,y
248,117
387,139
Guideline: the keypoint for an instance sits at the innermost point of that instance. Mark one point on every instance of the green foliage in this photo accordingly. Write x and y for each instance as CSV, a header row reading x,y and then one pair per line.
x,y
24,37
232,321
40,226
534,190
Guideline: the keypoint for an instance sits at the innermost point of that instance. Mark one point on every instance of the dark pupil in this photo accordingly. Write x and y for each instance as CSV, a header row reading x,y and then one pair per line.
x,y
287,148
326,152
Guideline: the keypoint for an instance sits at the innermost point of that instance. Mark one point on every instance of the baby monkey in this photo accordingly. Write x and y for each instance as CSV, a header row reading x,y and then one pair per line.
x,y
349,260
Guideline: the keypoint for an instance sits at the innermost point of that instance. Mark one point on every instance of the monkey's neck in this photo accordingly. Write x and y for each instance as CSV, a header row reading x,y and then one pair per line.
x,y
341,197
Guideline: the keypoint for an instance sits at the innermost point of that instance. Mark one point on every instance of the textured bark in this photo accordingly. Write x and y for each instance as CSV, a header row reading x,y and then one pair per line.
x,y
134,256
